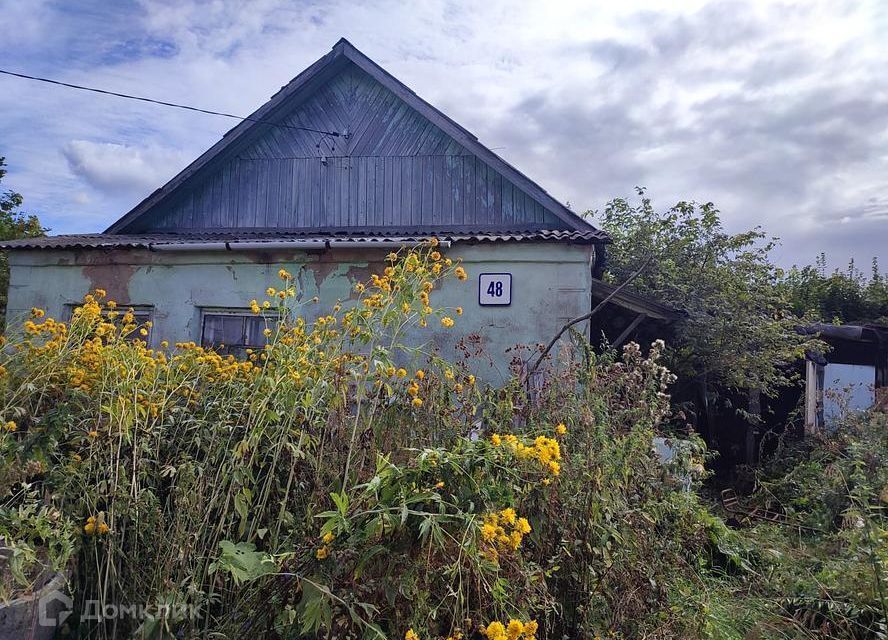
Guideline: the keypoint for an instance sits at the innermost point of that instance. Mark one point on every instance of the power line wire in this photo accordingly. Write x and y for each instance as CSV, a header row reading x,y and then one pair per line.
x,y
167,104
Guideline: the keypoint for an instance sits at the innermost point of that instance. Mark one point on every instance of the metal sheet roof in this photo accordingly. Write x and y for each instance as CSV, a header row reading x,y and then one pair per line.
x,y
149,241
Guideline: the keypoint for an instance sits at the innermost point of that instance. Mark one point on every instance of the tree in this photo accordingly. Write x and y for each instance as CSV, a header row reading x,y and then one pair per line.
x,y
840,296
740,330
14,224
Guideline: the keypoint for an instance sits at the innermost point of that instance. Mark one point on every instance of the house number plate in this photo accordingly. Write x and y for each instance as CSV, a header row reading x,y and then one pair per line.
x,y
495,289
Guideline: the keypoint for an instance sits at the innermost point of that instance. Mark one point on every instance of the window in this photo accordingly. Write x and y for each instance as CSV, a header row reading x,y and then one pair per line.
x,y
234,331
142,313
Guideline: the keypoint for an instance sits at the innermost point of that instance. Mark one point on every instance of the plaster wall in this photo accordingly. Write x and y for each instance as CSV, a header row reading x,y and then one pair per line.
x,y
550,284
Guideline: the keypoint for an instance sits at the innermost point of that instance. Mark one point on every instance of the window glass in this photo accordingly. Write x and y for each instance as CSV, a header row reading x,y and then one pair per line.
x,y
234,331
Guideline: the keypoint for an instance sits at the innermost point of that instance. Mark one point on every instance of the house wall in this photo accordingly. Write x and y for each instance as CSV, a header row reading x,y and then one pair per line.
x,y
550,284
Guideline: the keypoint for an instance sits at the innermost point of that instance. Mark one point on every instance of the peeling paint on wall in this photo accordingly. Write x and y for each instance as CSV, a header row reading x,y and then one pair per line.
x,y
549,282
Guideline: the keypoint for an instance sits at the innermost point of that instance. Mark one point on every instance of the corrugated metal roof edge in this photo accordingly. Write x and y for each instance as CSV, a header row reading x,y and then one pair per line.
x,y
146,241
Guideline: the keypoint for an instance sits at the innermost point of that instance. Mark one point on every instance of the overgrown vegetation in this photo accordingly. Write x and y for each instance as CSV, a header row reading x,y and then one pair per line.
x,y
822,568
342,483
740,331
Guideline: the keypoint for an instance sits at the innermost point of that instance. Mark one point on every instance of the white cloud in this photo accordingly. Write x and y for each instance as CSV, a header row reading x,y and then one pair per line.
x,y
118,168
777,111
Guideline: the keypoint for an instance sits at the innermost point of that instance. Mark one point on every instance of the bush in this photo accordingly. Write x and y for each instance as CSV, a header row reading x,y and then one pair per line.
x,y
827,565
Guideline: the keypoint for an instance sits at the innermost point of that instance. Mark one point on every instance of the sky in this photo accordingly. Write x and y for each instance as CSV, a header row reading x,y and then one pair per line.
x,y
775,111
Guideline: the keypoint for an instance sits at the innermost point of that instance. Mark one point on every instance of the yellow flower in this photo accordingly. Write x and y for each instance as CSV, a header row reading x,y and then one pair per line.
x,y
328,537
93,434
522,526
270,291
90,527
515,629
447,322
496,439
434,255
164,344
508,515
402,373
254,307
359,288
471,380
283,274
460,273
495,630
416,402
561,429
10,426
103,529
439,485
411,635
515,540
420,374
322,553
143,332
459,311
267,332
434,242
488,532
530,628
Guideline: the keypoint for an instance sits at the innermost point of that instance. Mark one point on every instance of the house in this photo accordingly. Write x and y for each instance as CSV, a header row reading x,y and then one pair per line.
x,y
339,167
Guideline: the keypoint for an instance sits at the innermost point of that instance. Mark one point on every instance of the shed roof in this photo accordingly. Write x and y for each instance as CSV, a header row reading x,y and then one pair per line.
x,y
512,201
637,303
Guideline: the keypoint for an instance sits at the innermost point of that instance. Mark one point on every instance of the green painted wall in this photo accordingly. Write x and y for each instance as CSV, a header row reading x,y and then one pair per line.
x,y
550,284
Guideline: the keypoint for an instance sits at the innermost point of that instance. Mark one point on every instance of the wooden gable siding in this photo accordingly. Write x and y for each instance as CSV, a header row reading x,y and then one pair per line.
x,y
395,170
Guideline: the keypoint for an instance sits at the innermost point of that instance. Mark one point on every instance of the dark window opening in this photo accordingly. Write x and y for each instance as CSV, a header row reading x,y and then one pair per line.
x,y
233,332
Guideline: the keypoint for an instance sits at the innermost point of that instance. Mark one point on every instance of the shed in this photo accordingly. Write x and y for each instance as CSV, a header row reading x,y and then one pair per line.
x,y
338,167
850,376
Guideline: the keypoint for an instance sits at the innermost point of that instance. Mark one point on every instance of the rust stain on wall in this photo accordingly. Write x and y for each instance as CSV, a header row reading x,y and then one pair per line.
x,y
113,278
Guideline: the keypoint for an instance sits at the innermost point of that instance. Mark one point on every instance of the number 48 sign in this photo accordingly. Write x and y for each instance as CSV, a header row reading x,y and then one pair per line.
x,y
495,289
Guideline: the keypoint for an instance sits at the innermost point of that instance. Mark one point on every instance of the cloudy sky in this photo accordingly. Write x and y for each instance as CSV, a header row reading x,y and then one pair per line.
x,y
775,111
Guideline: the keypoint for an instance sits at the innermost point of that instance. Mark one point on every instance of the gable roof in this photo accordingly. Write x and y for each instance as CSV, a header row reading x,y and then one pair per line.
x,y
342,56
